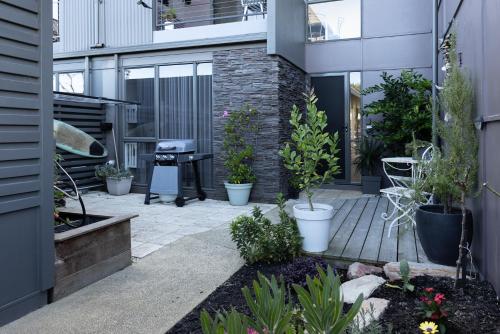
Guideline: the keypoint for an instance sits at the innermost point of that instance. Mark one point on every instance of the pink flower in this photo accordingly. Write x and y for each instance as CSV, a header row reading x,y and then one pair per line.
x,y
439,298
225,114
429,290
251,331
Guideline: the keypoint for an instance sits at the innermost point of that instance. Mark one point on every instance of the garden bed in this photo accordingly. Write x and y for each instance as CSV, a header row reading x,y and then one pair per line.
x,y
90,252
475,310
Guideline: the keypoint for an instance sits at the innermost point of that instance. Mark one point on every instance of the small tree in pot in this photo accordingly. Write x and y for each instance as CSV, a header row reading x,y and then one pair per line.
x,y
241,130
367,162
453,172
312,158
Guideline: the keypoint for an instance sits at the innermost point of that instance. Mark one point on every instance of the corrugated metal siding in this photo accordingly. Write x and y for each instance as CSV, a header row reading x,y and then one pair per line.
x,y
26,227
76,25
88,118
127,23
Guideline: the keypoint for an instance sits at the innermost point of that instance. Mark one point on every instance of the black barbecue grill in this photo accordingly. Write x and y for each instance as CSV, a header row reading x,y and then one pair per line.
x,y
169,160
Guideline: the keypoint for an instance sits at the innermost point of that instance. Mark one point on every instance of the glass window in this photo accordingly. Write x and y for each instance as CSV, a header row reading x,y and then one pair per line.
x,y
139,87
55,20
72,82
204,117
176,102
333,20
355,122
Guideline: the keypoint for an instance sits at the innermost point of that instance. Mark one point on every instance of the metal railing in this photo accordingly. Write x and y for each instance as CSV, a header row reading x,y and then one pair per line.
x,y
176,14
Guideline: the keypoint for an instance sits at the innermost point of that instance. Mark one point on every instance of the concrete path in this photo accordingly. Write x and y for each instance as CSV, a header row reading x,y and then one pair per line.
x,y
160,224
149,297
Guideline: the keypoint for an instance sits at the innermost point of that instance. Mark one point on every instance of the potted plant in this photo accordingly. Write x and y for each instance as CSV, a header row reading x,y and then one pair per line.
x,y
118,181
369,152
240,130
169,17
311,157
444,230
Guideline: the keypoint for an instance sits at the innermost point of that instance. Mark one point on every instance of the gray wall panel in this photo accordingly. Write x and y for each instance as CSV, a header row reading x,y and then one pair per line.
x,y
286,30
26,150
396,17
336,56
397,52
477,26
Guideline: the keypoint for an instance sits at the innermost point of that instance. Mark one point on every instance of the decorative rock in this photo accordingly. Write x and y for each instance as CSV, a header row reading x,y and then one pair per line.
x,y
391,270
371,310
358,269
364,285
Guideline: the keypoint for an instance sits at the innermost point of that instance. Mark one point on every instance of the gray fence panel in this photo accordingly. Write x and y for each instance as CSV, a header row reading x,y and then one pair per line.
x,y
26,149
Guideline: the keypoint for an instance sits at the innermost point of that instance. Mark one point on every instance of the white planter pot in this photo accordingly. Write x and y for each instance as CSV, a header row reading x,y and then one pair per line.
x,y
238,193
119,186
314,226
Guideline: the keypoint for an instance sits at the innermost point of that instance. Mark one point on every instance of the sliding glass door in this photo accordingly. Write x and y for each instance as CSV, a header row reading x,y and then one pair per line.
x,y
175,103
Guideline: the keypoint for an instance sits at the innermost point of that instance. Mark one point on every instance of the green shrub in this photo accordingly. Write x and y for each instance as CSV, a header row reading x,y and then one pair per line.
x,y
259,240
105,171
404,109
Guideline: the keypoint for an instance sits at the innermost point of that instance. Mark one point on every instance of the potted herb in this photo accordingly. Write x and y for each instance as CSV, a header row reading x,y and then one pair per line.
x,y
369,152
311,156
444,230
118,181
169,17
240,130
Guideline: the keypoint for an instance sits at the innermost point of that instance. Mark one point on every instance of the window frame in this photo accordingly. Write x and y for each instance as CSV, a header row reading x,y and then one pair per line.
x,y
57,82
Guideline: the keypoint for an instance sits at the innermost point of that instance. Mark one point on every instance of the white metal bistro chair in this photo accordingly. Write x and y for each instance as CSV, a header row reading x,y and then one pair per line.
x,y
403,173
254,6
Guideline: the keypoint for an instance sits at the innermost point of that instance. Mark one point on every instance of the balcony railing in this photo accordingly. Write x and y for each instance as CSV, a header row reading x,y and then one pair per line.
x,y
176,14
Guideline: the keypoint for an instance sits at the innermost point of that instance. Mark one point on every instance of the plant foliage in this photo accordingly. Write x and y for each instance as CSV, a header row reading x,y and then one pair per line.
x,y
241,130
259,240
404,109
369,153
320,309
312,154
322,304
107,170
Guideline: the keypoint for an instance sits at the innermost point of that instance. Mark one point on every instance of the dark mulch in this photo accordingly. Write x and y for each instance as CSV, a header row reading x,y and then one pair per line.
x,y
474,309
229,294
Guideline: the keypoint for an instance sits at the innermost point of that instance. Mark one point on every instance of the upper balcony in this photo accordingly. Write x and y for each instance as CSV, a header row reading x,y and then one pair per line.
x,y
189,20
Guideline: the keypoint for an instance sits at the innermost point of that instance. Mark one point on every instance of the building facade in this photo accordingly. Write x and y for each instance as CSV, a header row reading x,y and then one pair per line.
x,y
186,62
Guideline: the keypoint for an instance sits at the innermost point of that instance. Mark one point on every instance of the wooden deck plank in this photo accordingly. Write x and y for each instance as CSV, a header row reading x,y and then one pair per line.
x,y
388,246
354,245
340,216
374,236
422,258
343,234
407,248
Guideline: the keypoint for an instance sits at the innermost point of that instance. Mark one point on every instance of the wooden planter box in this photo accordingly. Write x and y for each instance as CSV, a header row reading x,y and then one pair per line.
x,y
89,253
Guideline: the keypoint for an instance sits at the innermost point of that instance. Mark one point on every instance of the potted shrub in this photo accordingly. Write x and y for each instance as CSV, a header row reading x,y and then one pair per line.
x,y
240,130
369,152
311,157
445,231
118,181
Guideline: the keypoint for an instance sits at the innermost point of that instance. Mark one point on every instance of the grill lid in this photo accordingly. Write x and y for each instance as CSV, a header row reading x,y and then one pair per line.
x,y
176,146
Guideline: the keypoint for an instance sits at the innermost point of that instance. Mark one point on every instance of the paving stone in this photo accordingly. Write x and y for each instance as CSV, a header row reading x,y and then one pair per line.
x,y
358,269
391,270
364,285
371,310
145,249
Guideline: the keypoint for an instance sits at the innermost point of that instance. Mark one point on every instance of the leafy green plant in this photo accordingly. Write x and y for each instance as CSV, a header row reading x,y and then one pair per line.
x,y
320,310
259,240
433,307
105,171
323,304
241,130
365,323
404,272
311,155
270,311
369,153
404,109
457,165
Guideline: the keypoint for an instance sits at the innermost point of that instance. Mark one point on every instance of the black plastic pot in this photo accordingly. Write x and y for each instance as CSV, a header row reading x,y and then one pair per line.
x,y
371,184
440,233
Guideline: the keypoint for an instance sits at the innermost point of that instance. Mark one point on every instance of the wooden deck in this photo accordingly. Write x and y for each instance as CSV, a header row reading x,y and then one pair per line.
x,y
358,233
